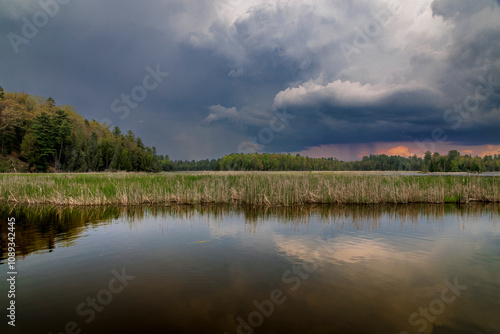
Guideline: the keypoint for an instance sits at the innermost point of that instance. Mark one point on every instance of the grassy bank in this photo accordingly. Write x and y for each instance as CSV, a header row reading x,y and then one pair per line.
x,y
254,188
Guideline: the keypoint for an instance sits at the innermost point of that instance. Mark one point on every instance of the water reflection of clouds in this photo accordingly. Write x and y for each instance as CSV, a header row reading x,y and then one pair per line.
x,y
397,277
340,249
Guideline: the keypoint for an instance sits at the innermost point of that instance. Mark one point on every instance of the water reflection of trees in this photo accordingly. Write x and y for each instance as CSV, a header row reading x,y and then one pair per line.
x,y
41,228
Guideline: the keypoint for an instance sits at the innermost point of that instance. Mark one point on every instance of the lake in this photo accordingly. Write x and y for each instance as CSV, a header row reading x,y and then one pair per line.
x,y
223,269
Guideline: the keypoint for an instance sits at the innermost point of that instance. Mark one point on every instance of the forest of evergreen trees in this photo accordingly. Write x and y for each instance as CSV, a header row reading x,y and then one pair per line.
x,y
46,137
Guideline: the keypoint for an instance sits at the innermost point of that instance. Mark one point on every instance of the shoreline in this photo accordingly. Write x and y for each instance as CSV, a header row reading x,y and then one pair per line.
x,y
237,204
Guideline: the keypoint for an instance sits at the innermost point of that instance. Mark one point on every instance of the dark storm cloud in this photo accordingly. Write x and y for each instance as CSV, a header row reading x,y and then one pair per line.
x,y
232,63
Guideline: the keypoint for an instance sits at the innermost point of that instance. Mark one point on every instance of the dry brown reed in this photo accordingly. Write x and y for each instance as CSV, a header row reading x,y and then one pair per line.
x,y
254,189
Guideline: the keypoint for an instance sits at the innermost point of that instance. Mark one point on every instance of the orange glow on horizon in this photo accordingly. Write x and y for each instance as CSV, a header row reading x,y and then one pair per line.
x,y
349,152
398,150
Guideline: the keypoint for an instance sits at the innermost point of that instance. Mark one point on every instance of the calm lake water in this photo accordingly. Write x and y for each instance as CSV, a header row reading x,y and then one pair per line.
x,y
327,269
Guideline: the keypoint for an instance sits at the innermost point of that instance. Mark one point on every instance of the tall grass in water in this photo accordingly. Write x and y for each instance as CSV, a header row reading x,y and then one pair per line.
x,y
284,188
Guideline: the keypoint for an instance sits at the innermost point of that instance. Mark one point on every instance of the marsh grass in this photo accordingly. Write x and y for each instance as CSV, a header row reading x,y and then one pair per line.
x,y
250,188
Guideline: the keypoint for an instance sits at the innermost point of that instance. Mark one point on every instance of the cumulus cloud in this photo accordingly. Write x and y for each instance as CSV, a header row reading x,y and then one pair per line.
x,y
405,76
246,115
219,112
347,94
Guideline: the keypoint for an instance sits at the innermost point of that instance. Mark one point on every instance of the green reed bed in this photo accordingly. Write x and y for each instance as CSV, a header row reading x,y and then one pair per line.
x,y
252,188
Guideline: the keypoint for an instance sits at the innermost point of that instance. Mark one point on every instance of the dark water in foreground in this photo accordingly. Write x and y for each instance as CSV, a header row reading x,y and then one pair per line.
x,y
354,269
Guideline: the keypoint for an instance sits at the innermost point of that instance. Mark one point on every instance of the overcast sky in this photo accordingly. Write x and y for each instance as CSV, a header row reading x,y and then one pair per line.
x,y
204,78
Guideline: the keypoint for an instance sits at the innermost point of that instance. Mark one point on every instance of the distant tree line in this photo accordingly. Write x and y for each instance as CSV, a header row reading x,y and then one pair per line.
x,y
47,137
431,162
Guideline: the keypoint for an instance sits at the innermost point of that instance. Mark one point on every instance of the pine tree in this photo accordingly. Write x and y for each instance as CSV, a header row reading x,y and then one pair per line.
x,y
92,153
45,140
62,128
29,150
117,132
50,102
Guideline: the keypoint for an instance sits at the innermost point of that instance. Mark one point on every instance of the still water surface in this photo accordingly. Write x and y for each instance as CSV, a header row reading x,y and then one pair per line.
x,y
213,269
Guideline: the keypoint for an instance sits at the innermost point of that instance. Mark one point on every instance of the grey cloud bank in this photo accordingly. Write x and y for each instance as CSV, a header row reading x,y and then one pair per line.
x,y
232,64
